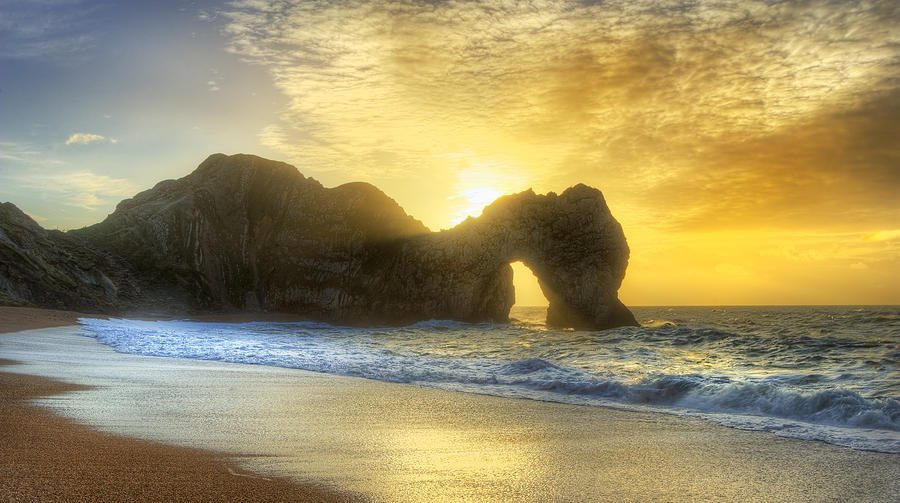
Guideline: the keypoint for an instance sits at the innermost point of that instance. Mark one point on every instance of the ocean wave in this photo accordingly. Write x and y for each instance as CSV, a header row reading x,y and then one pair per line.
x,y
443,324
837,407
526,366
658,323
641,368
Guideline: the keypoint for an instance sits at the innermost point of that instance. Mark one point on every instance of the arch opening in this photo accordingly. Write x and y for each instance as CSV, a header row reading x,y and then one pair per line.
x,y
528,291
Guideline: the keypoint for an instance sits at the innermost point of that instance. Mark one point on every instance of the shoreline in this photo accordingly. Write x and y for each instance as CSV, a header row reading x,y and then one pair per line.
x,y
16,319
396,442
47,457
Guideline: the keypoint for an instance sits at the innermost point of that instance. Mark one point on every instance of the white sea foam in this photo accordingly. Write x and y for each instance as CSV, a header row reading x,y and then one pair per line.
x,y
836,385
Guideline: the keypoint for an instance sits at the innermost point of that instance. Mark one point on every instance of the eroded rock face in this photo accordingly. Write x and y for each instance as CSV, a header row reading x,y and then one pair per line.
x,y
245,233
51,269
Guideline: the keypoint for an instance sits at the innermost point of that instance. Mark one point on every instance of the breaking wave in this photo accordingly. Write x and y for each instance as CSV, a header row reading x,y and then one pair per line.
x,y
836,382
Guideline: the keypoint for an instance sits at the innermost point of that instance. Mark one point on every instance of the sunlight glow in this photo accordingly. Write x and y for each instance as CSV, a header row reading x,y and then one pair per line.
x,y
528,291
743,145
884,235
480,180
472,201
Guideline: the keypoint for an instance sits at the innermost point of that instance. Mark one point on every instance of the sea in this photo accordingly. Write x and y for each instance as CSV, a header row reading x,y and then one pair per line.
x,y
824,373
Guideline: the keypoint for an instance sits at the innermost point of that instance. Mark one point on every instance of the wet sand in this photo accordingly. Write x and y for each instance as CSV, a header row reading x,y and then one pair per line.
x,y
14,319
398,443
47,458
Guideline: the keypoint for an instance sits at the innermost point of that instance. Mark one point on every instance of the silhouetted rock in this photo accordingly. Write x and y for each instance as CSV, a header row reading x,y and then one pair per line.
x,y
246,233
571,242
51,269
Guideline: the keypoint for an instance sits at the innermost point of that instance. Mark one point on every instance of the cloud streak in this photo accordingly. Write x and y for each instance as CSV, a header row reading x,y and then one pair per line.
x,y
80,189
17,151
697,107
55,30
84,139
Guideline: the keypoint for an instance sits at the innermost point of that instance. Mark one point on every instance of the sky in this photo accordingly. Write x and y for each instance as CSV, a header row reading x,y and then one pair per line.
x,y
750,149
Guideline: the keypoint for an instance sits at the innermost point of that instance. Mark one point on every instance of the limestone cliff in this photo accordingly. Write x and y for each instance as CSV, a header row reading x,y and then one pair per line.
x,y
242,232
52,269
245,233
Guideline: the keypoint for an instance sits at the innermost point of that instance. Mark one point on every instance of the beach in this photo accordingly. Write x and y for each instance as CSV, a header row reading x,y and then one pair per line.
x,y
46,457
192,429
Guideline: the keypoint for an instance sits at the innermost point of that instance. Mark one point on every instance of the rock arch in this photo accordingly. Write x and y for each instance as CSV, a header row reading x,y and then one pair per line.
x,y
570,241
242,233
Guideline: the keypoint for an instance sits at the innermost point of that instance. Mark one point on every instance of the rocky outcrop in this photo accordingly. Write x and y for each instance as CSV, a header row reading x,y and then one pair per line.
x,y
245,233
52,269
570,241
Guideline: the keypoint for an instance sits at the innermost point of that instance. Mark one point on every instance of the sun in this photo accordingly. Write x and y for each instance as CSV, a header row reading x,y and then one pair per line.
x,y
470,202
480,180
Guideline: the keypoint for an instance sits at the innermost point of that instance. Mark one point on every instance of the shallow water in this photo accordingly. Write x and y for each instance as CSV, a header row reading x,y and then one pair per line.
x,y
823,373
401,443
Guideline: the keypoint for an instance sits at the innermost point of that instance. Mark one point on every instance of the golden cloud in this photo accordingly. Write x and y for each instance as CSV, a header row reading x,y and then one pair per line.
x,y
769,119
631,95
